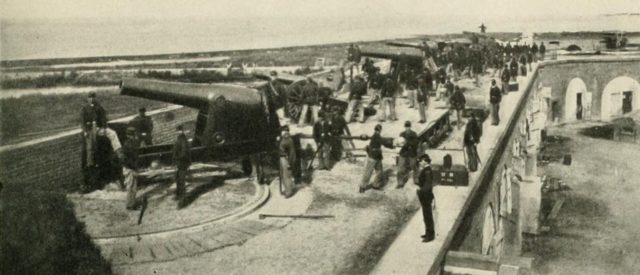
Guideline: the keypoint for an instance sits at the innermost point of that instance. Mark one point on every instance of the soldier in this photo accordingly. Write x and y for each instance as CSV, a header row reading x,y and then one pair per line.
x,y
182,160
504,78
338,128
449,89
495,96
423,99
310,101
374,160
425,196
93,117
457,103
358,89
287,152
407,157
472,135
543,49
410,90
130,166
144,126
376,81
534,51
322,137
513,66
388,92
277,91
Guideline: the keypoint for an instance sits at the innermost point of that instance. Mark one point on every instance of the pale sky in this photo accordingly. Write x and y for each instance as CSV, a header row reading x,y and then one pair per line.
x,y
338,8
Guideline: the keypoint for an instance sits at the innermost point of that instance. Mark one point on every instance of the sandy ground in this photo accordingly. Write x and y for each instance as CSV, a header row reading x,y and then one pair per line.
x,y
596,231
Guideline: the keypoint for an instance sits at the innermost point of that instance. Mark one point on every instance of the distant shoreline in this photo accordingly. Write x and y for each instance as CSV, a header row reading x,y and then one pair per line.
x,y
8,64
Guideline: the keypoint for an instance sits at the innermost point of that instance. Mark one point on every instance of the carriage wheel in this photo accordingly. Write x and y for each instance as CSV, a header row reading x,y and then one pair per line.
x,y
295,98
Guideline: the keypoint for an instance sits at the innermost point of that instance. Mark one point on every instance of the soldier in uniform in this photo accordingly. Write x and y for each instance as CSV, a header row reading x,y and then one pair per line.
x,y
388,92
182,160
144,126
543,49
93,116
425,196
472,135
513,66
457,103
130,166
322,137
310,101
495,96
407,157
338,128
358,89
504,78
374,160
287,153
423,98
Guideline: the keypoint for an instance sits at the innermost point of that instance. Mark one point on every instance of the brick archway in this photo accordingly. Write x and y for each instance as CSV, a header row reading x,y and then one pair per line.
x,y
615,95
576,93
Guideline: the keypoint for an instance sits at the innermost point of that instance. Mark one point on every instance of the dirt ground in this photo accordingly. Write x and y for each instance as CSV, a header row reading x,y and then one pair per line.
x,y
596,230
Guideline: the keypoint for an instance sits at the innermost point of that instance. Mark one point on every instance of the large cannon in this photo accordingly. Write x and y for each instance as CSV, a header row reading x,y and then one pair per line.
x,y
410,58
229,118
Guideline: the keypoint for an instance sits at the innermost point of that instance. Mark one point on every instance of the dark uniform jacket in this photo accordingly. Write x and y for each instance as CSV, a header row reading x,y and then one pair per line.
x,y
93,112
458,101
142,124
374,150
472,133
388,88
130,154
543,49
423,91
425,179
495,95
322,131
506,75
449,87
410,148
310,92
358,89
338,124
182,152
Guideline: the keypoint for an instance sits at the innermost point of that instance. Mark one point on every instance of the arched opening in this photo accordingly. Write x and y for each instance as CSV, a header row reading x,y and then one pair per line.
x,y
574,48
488,230
574,100
620,96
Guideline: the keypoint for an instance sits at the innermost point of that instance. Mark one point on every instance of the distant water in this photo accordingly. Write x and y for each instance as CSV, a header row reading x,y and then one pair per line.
x,y
58,38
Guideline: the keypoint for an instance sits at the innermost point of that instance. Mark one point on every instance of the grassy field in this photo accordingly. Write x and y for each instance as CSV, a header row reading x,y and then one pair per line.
x,y
33,116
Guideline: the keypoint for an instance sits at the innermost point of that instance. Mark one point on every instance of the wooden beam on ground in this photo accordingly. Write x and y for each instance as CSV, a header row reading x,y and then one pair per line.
x,y
556,209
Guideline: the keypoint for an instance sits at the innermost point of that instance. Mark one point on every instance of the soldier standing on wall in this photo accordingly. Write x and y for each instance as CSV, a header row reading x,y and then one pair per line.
x,y
472,135
495,96
423,98
182,160
458,103
407,157
425,196
358,89
504,78
144,126
93,116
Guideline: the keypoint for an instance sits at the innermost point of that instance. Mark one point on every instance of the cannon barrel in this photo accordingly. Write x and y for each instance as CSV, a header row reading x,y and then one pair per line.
x,y
404,45
394,56
187,94
345,137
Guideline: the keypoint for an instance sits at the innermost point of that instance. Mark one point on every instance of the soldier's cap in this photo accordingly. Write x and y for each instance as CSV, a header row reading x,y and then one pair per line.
x,y
131,131
92,94
142,109
378,127
273,73
179,128
284,128
425,157
407,123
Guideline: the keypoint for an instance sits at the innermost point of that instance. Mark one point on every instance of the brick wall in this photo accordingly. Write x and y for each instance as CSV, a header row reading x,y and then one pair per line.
x,y
53,163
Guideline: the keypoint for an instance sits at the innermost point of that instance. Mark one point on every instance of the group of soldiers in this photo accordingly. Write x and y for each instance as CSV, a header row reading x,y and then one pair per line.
x,y
99,142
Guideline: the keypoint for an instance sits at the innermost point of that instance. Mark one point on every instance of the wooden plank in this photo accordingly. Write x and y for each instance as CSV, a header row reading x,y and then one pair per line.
x,y
556,209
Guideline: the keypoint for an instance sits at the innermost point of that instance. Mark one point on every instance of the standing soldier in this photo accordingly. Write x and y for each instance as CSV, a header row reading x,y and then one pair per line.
x,y
425,196
472,135
449,89
423,98
310,101
93,116
182,160
388,91
410,87
338,129
407,159
144,126
457,103
374,160
495,96
504,78
322,137
130,166
513,66
287,152
543,49
534,51
358,89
